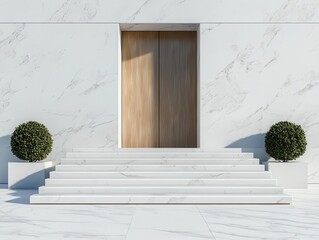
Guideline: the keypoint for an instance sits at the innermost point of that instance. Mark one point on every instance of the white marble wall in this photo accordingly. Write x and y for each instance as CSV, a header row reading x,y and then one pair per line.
x,y
254,75
258,65
156,11
65,76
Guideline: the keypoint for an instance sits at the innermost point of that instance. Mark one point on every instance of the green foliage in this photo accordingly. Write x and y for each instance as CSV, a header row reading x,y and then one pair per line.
x,y
31,141
285,141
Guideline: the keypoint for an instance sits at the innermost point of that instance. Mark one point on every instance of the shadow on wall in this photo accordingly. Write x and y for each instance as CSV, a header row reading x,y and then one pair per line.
x,y
255,144
5,157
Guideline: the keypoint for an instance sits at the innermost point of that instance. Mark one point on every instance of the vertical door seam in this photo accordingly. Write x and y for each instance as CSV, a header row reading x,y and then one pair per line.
x,y
159,90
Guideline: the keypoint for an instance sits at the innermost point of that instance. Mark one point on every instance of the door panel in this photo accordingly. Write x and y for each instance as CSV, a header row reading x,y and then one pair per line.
x,y
159,89
140,89
178,89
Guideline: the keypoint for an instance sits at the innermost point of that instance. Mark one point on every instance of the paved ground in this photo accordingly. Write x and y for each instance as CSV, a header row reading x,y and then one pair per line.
x,y
19,220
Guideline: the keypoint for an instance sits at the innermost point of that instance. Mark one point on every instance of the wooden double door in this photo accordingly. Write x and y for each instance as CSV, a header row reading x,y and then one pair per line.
x,y
159,89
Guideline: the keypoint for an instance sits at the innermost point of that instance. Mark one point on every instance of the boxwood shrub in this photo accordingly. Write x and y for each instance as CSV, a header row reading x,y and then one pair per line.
x,y
31,141
285,141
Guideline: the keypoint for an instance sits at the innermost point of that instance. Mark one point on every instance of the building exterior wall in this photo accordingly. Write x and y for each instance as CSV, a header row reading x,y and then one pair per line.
x,y
254,75
59,65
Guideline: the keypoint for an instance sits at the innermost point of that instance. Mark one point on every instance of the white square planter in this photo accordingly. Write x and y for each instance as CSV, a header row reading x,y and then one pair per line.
x,y
28,175
291,175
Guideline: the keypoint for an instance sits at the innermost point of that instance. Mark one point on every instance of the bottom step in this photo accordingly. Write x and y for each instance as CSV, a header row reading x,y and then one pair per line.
x,y
162,199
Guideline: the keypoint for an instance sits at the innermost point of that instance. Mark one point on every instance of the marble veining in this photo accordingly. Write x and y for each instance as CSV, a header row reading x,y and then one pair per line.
x,y
153,11
251,78
64,74
19,220
59,65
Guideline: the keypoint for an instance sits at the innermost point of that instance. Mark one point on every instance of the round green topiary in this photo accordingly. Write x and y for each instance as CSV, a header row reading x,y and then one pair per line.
x,y
285,141
31,141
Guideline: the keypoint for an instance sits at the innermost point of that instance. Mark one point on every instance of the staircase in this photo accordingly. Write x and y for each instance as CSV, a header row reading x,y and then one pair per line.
x,y
160,176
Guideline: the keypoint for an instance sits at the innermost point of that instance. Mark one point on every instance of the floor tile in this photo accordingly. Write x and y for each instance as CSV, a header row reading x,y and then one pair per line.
x,y
18,219
298,221
169,222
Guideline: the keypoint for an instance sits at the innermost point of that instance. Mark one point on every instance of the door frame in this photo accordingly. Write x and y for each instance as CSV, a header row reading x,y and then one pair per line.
x,y
156,27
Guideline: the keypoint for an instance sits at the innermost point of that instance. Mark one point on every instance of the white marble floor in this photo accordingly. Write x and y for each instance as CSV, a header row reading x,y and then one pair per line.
x,y
19,220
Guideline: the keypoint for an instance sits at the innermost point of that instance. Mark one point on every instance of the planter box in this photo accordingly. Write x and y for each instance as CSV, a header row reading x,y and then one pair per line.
x,y
290,175
28,175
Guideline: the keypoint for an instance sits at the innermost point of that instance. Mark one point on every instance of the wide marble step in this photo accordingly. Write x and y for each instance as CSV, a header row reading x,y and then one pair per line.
x,y
144,150
157,155
161,182
160,190
153,167
100,161
161,199
162,174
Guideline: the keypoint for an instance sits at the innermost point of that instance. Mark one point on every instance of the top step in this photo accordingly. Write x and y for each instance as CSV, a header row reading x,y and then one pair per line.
x,y
184,155
160,150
